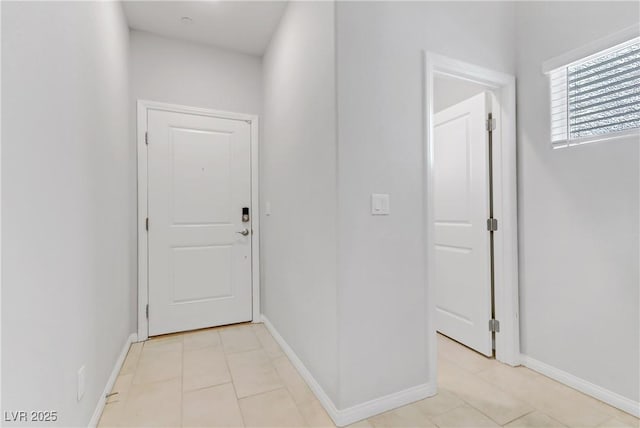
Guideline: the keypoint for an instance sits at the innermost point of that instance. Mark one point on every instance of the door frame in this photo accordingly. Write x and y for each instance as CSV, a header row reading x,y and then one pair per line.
x,y
143,107
505,201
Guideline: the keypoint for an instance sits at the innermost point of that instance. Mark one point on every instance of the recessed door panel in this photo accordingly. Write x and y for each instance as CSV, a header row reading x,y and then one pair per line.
x,y
201,165
452,170
201,273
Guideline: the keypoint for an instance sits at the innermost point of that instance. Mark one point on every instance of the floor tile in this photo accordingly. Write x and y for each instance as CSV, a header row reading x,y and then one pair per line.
x,y
407,416
156,404
440,403
618,416
499,405
463,417
298,388
267,341
271,409
112,415
201,339
464,357
253,373
154,350
315,415
361,424
216,406
535,419
239,339
159,366
168,342
204,367
120,388
617,423
113,412
133,356
196,378
562,403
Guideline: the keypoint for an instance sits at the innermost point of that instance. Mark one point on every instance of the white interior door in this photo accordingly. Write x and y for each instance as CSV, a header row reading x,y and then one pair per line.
x,y
199,181
461,209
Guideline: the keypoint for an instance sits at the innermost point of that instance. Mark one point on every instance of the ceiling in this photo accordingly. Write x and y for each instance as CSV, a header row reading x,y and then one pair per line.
x,y
242,26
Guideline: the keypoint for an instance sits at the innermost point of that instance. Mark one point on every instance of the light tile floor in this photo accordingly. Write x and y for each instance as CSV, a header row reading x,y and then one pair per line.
x,y
238,376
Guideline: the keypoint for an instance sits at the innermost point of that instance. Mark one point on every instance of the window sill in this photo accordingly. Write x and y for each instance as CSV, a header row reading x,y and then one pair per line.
x,y
595,139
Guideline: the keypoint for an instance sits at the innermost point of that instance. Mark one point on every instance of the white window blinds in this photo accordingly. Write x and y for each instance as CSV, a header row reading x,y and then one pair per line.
x,y
596,97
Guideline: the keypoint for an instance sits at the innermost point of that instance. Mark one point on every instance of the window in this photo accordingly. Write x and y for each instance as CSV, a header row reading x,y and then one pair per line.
x,y
596,97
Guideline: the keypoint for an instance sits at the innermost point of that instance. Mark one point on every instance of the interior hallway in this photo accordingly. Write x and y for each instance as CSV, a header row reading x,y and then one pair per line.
x,y
238,376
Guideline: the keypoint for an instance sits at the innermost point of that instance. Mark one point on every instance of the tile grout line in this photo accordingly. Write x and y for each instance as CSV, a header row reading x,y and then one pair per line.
x,y
284,386
535,407
519,417
487,382
226,355
233,385
244,424
516,396
498,387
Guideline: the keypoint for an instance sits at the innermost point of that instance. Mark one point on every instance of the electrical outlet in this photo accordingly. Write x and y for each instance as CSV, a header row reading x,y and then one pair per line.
x,y
379,204
81,382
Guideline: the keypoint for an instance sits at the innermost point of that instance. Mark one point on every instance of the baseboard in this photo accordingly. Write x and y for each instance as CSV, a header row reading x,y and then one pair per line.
x,y
602,394
344,417
383,404
112,379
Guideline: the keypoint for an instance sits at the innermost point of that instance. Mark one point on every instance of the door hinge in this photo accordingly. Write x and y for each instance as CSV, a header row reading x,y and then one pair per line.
x,y
494,326
147,311
492,224
491,124
146,224
146,138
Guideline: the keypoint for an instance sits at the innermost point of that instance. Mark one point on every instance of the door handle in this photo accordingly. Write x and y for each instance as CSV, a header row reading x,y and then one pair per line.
x,y
244,232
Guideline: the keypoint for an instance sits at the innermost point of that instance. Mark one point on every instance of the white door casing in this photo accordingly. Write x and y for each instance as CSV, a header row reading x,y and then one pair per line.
x,y
199,180
461,209
505,206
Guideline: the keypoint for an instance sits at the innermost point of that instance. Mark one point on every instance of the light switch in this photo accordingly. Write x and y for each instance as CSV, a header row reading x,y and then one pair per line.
x,y
379,204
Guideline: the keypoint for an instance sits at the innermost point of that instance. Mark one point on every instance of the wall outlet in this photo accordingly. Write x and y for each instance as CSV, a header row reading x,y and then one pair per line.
x,y
81,382
379,204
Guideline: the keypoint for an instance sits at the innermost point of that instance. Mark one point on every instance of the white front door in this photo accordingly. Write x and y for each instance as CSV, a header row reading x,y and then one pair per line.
x,y
461,209
199,182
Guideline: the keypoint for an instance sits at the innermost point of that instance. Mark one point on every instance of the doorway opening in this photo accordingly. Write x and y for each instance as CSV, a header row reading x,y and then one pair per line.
x,y
470,160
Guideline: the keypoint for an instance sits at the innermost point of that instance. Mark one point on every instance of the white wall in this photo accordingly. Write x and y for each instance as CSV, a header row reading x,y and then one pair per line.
x,y
578,215
448,91
298,161
383,331
191,74
67,259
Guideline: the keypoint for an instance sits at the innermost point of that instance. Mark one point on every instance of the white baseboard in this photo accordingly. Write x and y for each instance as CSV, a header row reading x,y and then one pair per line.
x,y
383,404
344,417
602,394
112,379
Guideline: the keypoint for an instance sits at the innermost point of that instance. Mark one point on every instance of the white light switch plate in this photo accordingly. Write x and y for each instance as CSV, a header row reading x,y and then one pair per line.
x,y
379,204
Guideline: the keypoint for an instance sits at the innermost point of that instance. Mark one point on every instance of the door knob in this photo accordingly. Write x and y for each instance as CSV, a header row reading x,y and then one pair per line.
x,y
244,232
